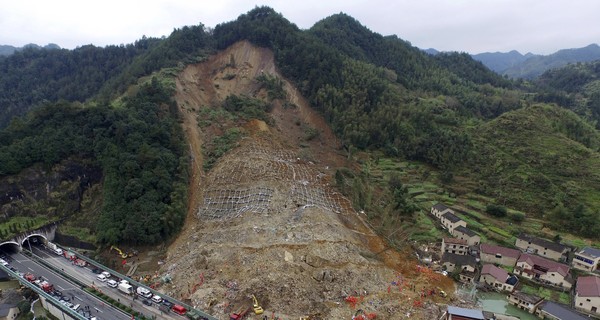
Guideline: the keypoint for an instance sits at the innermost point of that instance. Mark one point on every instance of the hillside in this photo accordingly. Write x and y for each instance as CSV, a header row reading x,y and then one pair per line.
x,y
269,222
535,66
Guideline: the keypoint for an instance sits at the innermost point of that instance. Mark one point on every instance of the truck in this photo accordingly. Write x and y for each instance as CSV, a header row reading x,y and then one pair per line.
x,y
125,288
55,248
46,286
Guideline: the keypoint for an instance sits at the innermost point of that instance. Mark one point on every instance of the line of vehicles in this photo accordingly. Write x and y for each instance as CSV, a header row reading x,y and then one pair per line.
x,y
148,298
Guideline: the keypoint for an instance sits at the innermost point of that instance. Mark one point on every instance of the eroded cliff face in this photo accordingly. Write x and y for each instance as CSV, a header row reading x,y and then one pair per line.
x,y
265,220
55,192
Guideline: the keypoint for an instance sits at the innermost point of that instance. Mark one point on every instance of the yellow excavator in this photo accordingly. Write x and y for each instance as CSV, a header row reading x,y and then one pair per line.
x,y
257,308
119,252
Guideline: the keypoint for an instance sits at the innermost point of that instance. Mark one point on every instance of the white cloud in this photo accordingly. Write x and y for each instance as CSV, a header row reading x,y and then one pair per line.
x,y
462,25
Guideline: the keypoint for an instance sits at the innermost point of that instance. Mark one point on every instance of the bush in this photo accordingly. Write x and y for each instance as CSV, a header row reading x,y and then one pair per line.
x,y
496,210
517,216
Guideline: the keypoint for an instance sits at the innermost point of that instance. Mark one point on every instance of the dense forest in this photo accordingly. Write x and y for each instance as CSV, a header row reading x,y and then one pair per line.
x,y
377,92
139,147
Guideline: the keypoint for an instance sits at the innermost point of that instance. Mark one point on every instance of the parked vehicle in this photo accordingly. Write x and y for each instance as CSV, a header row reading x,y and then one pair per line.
x,y
125,287
181,310
157,298
101,278
143,292
147,302
112,283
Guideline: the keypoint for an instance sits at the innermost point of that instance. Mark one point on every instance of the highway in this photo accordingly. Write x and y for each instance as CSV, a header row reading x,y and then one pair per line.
x,y
97,308
87,277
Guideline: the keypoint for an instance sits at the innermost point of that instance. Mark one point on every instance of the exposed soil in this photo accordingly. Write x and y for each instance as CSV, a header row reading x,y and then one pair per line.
x,y
265,219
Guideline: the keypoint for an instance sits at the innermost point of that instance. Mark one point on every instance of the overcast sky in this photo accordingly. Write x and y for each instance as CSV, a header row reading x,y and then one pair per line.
x,y
474,26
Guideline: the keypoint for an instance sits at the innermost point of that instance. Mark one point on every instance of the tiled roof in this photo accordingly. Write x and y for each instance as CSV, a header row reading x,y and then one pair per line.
x,y
451,217
552,266
466,231
529,298
459,259
468,313
554,246
498,273
588,286
590,252
561,312
504,251
455,241
440,206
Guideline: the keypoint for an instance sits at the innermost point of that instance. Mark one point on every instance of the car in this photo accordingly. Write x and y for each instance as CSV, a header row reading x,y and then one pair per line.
x,y
168,303
97,270
106,274
112,283
157,298
3,262
101,278
75,307
147,302
65,298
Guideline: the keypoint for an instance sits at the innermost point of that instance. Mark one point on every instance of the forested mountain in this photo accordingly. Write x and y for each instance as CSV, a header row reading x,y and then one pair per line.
x,y
501,61
32,76
6,50
535,66
576,86
378,93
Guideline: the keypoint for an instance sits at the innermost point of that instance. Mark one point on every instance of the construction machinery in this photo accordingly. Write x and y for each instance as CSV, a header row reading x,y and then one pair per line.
x,y
119,252
256,307
240,314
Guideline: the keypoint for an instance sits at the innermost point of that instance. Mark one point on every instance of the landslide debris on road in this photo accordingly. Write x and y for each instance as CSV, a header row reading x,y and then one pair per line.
x,y
265,219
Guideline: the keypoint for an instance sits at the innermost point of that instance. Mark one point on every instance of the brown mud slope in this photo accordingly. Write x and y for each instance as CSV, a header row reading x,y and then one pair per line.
x,y
265,220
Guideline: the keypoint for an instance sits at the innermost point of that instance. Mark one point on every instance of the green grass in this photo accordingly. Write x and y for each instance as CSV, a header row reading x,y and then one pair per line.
x,y
548,294
83,234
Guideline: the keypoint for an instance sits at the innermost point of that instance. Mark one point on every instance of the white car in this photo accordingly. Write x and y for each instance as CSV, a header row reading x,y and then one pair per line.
x,y
106,274
157,298
111,283
4,263
101,278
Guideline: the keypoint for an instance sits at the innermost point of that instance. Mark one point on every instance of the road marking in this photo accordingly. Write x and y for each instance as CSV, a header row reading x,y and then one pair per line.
x,y
78,298
61,288
98,310
30,269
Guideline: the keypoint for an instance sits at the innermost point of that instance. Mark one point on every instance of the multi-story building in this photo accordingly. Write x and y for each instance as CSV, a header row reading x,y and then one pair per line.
x,y
587,259
490,253
467,234
587,295
454,245
524,301
544,270
497,278
450,221
542,247
439,209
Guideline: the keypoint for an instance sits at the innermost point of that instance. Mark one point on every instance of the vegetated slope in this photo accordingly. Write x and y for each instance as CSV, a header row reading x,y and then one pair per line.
x,y
535,66
537,159
266,219
576,86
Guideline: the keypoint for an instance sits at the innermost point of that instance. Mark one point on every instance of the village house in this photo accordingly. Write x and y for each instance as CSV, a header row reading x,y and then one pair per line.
x,y
465,263
9,311
497,278
587,295
450,222
557,311
542,247
524,301
467,234
543,270
587,259
454,245
439,209
456,313
490,253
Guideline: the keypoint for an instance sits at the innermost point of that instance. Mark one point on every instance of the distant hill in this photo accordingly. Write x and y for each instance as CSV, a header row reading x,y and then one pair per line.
x,y
535,66
501,61
6,50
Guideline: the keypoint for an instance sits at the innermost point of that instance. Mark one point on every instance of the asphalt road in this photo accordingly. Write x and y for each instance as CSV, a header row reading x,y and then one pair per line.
x,y
97,308
86,276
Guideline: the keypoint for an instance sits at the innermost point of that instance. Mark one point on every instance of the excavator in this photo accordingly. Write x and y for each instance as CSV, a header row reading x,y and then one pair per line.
x,y
257,308
119,252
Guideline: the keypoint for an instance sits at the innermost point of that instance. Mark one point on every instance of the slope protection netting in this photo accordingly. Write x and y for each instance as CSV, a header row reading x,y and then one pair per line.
x,y
259,163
